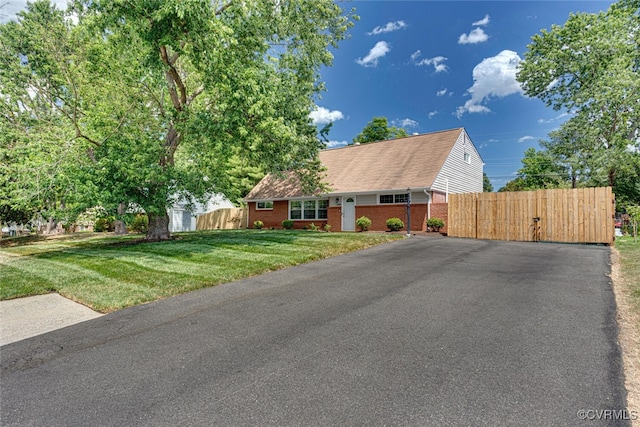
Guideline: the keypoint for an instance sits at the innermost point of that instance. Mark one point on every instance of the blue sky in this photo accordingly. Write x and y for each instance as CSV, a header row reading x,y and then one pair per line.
x,y
436,65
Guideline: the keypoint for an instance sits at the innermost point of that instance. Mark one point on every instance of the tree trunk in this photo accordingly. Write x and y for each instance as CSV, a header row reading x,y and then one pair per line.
x,y
158,226
612,177
51,226
121,226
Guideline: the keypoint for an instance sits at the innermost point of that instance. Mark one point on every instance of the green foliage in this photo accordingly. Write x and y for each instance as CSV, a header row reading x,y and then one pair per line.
x,y
378,130
590,68
138,102
9,214
105,224
288,224
139,224
539,170
634,213
327,228
435,224
363,223
258,224
395,224
487,187
313,227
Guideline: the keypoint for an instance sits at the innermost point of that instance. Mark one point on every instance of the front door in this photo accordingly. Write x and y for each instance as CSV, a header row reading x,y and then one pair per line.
x,y
348,214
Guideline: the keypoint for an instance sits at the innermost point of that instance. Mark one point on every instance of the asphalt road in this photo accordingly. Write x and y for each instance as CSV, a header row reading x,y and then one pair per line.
x,y
416,332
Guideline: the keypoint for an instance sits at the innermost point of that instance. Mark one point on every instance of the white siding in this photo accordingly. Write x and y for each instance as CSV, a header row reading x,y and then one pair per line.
x,y
182,219
461,176
366,199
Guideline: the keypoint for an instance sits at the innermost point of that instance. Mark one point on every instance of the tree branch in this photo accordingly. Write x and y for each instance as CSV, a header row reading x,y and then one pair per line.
x,y
223,8
195,94
174,80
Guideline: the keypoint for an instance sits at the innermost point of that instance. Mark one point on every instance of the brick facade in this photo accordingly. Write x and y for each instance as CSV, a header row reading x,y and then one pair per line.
x,y
272,218
441,210
381,213
378,214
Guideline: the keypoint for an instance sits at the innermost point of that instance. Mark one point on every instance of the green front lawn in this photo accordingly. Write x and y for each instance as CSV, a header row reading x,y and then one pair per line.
x,y
629,251
109,273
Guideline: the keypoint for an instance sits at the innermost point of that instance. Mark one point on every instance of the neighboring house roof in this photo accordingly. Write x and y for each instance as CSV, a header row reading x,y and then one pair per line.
x,y
409,162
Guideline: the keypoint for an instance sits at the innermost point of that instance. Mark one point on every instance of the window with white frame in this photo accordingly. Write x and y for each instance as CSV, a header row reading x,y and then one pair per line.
x,y
308,209
394,198
467,158
266,205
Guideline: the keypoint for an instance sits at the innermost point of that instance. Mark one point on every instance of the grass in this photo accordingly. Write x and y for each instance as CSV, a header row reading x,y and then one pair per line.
x,y
108,273
630,268
626,283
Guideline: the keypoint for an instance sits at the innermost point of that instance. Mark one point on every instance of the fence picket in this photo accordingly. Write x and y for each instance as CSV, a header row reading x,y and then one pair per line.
x,y
583,215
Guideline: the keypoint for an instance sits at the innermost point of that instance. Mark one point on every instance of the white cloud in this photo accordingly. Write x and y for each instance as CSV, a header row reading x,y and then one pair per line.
x,y
442,92
388,28
323,116
415,55
554,119
483,21
432,113
405,123
8,9
526,138
378,51
334,144
493,77
477,35
437,63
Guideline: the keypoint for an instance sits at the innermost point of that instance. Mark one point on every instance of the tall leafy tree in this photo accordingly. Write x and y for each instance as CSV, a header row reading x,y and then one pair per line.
x,y
539,170
591,66
39,158
165,96
378,129
487,187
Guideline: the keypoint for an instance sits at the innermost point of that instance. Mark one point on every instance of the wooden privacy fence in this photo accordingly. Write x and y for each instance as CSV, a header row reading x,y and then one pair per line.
x,y
222,219
579,215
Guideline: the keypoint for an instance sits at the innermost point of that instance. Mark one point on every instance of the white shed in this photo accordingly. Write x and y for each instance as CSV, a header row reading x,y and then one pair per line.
x,y
183,218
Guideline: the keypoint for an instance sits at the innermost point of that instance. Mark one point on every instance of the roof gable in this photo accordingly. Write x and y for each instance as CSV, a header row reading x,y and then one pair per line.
x,y
409,162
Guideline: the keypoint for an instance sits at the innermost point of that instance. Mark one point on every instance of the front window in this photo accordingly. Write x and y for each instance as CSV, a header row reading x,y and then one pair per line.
x,y
401,198
394,198
268,205
295,211
308,209
386,198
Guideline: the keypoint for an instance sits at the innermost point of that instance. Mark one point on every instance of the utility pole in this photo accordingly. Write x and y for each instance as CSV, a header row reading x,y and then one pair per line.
x,y
408,212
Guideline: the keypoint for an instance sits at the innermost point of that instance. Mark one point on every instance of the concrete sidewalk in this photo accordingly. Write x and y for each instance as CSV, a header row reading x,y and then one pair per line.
x,y
27,317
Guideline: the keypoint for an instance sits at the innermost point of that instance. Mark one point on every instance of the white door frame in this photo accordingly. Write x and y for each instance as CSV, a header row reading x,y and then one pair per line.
x,y
348,218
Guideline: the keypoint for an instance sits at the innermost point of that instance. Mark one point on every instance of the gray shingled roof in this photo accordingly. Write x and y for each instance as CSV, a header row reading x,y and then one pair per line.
x,y
410,162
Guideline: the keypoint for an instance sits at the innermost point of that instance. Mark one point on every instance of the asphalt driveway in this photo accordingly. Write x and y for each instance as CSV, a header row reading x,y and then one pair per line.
x,y
416,332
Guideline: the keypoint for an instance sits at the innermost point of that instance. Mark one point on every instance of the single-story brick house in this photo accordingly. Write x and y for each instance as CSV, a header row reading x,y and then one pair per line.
x,y
375,180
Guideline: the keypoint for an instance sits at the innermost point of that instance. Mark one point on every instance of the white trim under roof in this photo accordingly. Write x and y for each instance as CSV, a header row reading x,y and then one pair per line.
x,y
345,193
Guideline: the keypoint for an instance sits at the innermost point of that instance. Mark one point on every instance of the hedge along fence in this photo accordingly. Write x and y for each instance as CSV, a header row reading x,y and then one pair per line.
x,y
580,215
222,219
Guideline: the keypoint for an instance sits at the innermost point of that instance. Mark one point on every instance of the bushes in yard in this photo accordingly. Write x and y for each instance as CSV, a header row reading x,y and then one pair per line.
x,y
139,224
395,224
105,224
287,224
258,224
363,223
434,224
